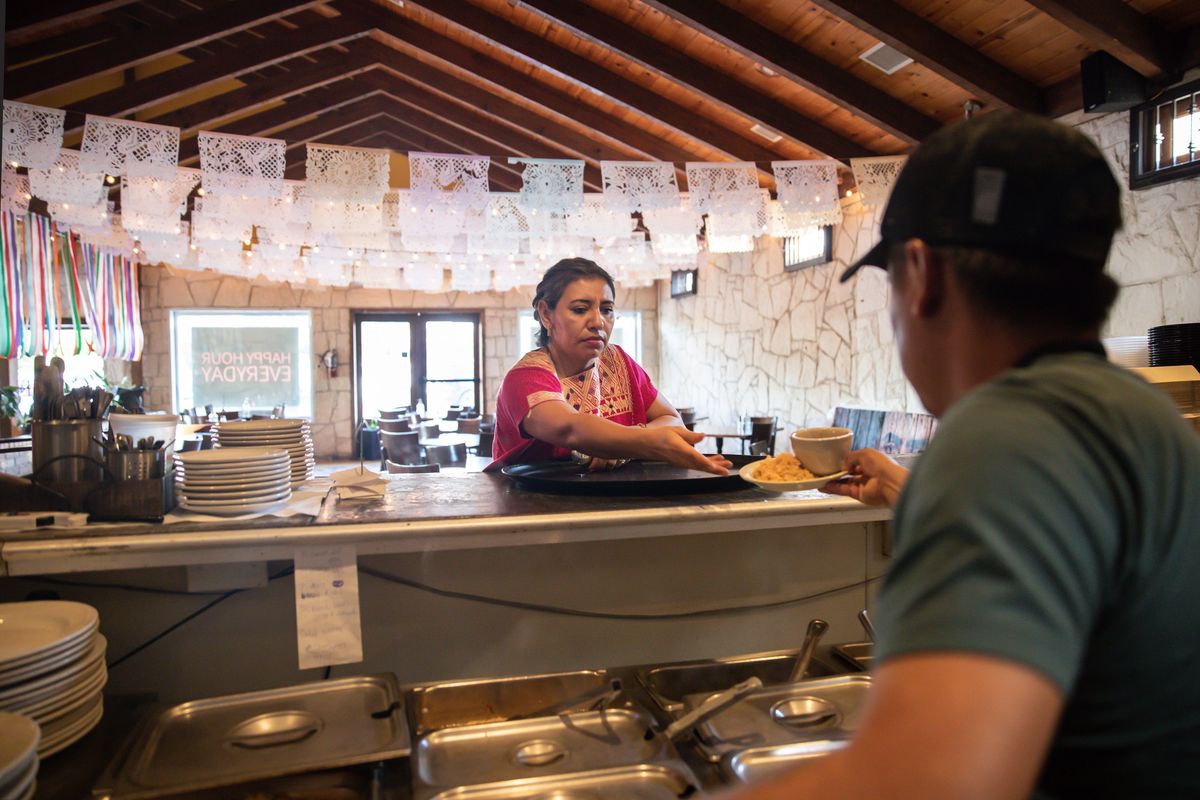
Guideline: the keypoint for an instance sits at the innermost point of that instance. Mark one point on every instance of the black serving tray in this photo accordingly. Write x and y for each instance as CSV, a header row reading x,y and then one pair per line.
x,y
635,478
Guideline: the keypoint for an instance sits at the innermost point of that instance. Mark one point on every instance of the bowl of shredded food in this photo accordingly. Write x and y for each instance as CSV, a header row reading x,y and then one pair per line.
x,y
784,473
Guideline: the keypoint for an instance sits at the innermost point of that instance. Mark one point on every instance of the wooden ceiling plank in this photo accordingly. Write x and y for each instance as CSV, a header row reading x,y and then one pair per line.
x,y
933,48
164,86
763,45
1118,28
180,33
640,143
533,48
26,21
272,119
424,110
208,113
716,85
474,98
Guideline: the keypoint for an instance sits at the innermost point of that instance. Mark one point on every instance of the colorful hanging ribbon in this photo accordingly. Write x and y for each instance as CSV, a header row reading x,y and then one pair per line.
x,y
10,287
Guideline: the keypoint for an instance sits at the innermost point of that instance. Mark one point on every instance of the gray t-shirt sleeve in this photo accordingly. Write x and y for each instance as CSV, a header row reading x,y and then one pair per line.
x,y
1003,543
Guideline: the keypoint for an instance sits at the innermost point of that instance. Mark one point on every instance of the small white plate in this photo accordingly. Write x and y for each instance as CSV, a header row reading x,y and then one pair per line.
x,y
232,482
202,490
747,473
262,424
21,787
32,628
47,662
225,457
249,469
19,738
232,510
233,494
273,495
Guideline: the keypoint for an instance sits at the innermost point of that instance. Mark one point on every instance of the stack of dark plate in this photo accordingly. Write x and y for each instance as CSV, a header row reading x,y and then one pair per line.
x,y
1173,345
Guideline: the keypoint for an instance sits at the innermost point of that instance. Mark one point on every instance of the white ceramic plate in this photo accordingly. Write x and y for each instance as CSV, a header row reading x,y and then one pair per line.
x,y
19,737
48,663
231,482
67,701
232,510
231,499
55,682
247,441
747,474
83,721
28,630
21,787
259,470
265,424
239,455
203,490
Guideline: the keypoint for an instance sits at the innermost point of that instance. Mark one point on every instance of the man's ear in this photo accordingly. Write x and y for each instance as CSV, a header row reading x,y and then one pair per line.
x,y
925,276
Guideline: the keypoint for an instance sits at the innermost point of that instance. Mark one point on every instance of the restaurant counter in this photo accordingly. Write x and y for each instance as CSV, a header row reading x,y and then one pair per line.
x,y
465,575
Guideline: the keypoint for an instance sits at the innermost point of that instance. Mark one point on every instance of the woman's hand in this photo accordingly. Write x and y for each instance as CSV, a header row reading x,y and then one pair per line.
x,y
874,479
678,446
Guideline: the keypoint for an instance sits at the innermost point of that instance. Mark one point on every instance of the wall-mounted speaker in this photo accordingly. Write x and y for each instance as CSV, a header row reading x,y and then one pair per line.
x,y
1108,84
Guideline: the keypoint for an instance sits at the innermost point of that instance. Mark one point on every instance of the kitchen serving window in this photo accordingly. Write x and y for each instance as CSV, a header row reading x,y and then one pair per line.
x,y
1164,137
242,360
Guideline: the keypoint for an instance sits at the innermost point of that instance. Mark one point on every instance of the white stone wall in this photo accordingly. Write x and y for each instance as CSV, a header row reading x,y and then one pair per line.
x,y
1156,257
758,340
165,288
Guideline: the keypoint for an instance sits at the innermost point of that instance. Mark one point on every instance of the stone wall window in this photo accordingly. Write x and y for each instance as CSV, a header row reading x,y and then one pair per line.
x,y
627,333
240,360
1164,141
810,249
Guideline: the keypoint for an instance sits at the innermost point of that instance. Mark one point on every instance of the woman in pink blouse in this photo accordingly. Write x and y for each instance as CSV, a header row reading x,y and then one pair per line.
x,y
578,392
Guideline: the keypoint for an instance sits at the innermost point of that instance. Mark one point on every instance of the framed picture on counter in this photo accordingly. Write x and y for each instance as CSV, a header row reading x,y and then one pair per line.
x,y
683,282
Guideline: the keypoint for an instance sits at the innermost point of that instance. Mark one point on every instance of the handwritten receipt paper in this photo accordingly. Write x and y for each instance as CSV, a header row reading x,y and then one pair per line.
x,y
328,628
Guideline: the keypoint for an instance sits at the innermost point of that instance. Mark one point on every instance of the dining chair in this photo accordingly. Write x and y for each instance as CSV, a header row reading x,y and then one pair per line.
x,y
395,425
450,454
484,448
430,430
471,425
409,469
402,447
762,432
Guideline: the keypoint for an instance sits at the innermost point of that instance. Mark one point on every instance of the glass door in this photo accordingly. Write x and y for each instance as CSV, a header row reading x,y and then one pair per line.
x,y
434,358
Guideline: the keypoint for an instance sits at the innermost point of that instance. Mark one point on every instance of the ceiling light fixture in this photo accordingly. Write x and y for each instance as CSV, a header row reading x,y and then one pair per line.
x,y
885,58
766,133
765,70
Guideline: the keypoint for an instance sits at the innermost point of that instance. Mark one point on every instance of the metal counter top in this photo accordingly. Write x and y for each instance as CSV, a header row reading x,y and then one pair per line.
x,y
425,512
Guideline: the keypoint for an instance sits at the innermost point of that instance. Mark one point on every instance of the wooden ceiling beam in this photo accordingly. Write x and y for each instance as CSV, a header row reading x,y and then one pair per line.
x,y
284,45
534,49
639,143
1114,26
936,50
265,123
311,130
303,78
131,50
408,141
401,66
491,137
716,86
475,135
764,46
25,21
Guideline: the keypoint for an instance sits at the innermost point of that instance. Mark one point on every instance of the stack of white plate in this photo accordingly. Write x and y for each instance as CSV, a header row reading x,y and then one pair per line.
x,y
19,736
293,435
241,480
52,669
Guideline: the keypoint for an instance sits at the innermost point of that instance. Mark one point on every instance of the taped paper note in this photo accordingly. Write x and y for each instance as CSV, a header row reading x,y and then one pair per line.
x,y
328,627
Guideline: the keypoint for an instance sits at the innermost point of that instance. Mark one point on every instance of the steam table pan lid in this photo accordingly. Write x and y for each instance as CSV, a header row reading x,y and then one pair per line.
x,y
237,738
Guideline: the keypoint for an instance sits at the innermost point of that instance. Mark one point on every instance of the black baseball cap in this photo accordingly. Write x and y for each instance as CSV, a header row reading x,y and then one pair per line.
x,y
1006,181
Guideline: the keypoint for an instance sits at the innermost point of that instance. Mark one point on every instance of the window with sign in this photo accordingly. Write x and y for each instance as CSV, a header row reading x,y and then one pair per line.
x,y
243,360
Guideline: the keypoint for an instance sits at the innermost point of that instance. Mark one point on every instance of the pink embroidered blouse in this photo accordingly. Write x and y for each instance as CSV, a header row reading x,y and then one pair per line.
x,y
616,388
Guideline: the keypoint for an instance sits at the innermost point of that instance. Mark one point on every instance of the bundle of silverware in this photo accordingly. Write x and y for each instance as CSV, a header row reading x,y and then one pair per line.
x,y
51,402
123,442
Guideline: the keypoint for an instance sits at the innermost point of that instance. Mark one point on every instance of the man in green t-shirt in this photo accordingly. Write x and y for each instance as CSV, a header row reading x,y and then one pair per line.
x,y
1039,630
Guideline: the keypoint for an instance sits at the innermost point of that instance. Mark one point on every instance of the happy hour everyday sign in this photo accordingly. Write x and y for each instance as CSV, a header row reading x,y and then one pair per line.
x,y
232,366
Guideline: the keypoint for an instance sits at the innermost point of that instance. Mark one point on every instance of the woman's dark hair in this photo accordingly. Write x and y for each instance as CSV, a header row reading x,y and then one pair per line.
x,y
555,282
